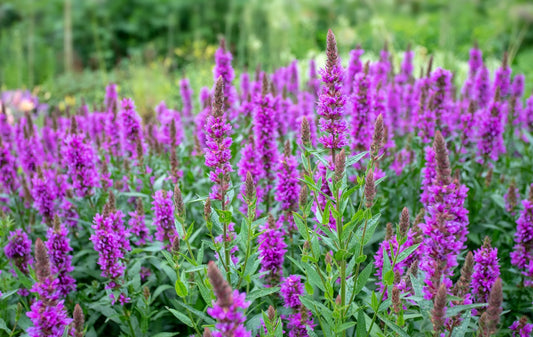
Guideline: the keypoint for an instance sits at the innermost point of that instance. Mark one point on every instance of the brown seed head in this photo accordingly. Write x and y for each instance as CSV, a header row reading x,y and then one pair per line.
x,y
57,224
462,287
329,258
512,198
430,66
438,312
340,165
404,222
173,134
176,245
264,85
146,293
220,286
218,99
396,303
377,138
73,125
305,132
178,201
271,313
207,209
331,52
271,221
370,189
207,332
78,322
397,277
389,232
42,262
250,187
441,155
304,193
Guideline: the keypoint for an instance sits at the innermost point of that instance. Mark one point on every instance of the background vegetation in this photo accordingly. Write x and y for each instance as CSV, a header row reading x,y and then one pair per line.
x,y
74,48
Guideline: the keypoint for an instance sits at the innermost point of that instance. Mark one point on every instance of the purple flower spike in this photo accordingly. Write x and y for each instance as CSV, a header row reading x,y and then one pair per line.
x,y
522,255
486,271
331,101
218,142
163,208
58,246
272,250
131,126
18,250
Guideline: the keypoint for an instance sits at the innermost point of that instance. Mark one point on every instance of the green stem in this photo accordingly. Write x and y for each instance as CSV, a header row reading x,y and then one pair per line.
x,y
249,246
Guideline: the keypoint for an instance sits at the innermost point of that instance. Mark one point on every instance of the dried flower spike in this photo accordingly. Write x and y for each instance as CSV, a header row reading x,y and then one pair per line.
x,y
79,321
404,222
220,286
340,165
370,189
438,313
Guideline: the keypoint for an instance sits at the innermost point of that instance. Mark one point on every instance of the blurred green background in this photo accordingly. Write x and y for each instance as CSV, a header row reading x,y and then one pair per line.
x,y
63,50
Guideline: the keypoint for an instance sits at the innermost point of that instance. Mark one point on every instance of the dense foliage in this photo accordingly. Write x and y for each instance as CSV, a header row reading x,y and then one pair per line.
x,y
349,201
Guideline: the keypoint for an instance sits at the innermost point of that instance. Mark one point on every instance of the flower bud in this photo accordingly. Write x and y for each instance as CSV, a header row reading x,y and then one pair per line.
x,y
370,189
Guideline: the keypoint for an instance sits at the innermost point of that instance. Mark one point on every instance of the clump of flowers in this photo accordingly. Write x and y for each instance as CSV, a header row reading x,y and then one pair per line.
x,y
331,101
227,309
522,255
48,313
163,208
272,249
58,246
218,142
300,318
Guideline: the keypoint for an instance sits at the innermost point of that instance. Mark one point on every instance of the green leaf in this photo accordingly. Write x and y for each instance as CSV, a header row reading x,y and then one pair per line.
x,y
362,279
224,216
354,159
461,330
3,326
455,310
394,327
160,289
388,278
181,288
406,253
309,288
361,326
257,293
360,259
184,319
314,277
166,334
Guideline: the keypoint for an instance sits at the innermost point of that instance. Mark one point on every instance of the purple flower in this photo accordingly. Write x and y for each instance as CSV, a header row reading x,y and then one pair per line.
x,y
8,168
80,161
43,195
131,126
362,112
218,142
228,307
230,237
406,69
429,173
475,62
18,250
446,223
272,249
482,89
58,246
110,240
48,314
332,100
300,318
245,86
486,271
522,255
265,135
224,69
314,82
186,96
355,66
163,208
111,97
491,128
166,117
288,187
502,78
250,162
138,226
521,328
